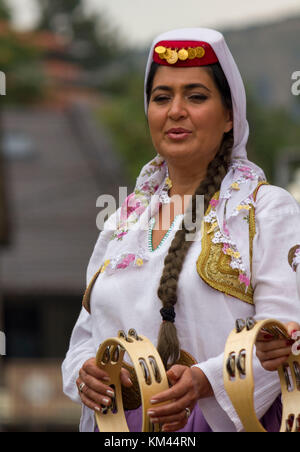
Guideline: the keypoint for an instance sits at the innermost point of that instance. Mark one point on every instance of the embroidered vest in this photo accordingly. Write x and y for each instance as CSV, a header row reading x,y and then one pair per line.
x,y
213,264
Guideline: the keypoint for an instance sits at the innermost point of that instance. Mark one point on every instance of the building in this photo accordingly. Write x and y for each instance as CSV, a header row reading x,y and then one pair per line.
x,y
58,161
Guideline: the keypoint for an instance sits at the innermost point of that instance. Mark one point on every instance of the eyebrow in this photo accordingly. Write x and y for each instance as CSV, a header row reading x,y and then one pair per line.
x,y
186,87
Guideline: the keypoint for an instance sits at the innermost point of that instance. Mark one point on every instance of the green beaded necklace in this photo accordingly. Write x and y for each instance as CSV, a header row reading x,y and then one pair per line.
x,y
151,226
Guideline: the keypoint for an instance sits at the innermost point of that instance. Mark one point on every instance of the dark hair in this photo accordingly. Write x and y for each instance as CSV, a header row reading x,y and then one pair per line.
x,y
168,344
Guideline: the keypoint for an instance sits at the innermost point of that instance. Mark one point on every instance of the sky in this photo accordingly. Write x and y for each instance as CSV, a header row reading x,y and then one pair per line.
x,y
139,21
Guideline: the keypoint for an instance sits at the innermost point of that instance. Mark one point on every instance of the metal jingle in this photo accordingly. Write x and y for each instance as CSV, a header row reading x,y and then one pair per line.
x,y
280,332
240,325
133,333
106,356
287,378
298,424
296,367
289,423
230,365
145,370
122,334
241,362
116,354
250,323
155,369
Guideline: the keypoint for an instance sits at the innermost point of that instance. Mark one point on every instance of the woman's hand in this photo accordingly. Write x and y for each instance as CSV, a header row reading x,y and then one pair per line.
x,y
273,352
95,391
188,385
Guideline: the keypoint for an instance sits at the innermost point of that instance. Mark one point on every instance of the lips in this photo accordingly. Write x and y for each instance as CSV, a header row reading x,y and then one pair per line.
x,y
178,133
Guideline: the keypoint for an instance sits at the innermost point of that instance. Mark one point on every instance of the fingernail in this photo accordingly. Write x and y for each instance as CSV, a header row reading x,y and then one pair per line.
x,y
106,378
153,401
110,393
151,413
97,408
154,420
106,401
268,336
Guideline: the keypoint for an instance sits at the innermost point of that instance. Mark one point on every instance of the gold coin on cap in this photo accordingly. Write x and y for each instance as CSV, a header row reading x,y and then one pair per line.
x,y
173,58
160,50
168,53
200,52
183,54
192,53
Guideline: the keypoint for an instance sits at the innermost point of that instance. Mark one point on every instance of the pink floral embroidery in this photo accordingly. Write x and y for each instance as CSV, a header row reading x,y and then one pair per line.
x,y
225,228
214,202
131,204
126,261
121,234
244,279
225,248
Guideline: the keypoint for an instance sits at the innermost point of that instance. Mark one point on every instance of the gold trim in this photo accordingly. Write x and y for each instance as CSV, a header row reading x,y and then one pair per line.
x,y
213,266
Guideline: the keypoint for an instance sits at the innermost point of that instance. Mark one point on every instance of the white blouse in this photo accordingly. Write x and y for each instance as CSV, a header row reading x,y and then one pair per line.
x,y
127,298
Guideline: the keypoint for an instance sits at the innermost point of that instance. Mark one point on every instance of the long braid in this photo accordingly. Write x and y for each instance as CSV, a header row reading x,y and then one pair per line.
x,y
168,343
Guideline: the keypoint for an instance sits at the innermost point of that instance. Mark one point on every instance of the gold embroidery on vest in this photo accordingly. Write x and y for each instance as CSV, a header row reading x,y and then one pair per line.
x,y
213,265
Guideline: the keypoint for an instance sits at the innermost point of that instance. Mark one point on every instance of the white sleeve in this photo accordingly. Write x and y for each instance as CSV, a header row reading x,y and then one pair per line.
x,y
275,296
80,350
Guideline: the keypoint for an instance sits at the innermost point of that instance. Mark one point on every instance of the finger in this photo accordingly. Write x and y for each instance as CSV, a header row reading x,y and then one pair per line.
x,y
125,378
169,410
94,384
174,426
91,368
172,418
292,327
274,364
274,354
267,346
174,374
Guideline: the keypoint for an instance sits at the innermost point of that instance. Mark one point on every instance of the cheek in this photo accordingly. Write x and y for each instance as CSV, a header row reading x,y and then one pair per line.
x,y
210,119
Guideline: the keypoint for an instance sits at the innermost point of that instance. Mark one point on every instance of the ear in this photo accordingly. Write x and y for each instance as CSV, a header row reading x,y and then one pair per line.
x,y
229,122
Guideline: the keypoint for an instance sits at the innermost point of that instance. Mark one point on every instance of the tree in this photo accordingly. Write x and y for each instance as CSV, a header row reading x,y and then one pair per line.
x,y
92,41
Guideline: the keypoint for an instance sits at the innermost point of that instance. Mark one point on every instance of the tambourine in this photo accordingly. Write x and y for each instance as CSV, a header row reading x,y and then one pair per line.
x,y
239,381
150,372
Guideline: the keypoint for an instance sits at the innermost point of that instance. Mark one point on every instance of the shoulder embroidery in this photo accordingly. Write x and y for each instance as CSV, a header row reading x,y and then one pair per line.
x,y
219,263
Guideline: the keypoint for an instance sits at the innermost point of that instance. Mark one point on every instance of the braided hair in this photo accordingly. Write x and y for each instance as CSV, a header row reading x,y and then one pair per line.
x,y
168,344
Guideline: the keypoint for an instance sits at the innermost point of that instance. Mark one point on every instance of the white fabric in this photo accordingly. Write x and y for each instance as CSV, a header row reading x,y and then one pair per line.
x,y
127,298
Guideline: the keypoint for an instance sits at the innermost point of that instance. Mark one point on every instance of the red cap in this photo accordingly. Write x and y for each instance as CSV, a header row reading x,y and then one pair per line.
x,y
184,53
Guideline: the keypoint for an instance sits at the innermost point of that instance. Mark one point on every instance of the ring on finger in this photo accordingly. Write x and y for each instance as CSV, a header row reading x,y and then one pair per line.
x,y
81,386
187,412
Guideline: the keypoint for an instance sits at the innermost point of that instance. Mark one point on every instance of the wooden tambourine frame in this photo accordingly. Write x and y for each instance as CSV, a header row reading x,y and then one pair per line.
x,y
239,381
150,372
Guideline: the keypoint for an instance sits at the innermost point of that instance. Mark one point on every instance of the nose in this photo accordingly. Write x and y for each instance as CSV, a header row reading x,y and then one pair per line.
x,y
177,109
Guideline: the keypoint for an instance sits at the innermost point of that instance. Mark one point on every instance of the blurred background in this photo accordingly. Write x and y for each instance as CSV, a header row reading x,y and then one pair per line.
x,y
72,127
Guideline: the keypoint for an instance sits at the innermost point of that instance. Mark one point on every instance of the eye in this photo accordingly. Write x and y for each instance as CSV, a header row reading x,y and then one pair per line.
x,y
197,97
161,98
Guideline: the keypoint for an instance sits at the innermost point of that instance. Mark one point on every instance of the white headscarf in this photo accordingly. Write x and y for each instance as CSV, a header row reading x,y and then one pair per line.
x,y
228,211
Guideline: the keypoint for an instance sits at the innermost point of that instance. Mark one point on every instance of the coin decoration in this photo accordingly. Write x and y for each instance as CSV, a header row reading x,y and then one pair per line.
x,y
173,55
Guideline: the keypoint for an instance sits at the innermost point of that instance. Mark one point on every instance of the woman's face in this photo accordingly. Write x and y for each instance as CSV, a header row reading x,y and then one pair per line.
x,y
186,116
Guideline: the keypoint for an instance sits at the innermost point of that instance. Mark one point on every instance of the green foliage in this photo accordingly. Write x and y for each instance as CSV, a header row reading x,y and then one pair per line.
x,y
93,42
123,114
5,13
272,130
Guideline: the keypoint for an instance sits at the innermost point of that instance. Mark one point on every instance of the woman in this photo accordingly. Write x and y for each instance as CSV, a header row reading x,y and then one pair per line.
x,y
140,276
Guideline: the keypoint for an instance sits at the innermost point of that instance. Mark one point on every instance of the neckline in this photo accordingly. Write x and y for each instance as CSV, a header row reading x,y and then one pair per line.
x,y
152,222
